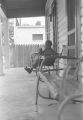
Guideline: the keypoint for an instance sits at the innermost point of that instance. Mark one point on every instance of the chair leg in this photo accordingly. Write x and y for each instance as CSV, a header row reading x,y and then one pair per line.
x,y
49,94
37,91
36,98
36,71
48,71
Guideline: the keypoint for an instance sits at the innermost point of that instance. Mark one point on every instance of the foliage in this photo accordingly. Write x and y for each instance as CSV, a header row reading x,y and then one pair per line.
x,y
11,35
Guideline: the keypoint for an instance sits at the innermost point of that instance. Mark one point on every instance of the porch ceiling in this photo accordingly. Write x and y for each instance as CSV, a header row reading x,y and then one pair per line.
x,y
24,8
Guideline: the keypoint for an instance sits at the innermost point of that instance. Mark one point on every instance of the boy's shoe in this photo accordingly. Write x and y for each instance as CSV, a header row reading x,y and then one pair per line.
x,y
28,69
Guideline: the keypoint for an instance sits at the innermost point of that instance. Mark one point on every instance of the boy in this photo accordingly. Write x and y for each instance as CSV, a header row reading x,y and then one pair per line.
x,y
48,53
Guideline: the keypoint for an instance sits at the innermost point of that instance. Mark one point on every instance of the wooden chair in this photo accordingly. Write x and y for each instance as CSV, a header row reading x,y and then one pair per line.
x,y
41,75
64,86
65,103
47,62
72,97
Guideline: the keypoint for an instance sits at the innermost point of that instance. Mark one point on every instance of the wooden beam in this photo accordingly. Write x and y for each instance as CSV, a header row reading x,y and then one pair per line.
x,y
15,13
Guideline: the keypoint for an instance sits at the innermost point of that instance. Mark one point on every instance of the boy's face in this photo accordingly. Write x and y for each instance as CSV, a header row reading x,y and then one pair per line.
x,y
48,45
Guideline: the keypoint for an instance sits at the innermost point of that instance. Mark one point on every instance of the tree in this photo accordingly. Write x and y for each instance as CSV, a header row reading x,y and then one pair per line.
x,y
11,34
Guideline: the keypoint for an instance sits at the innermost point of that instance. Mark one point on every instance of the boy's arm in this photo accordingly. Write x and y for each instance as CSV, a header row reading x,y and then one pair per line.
x,y
41,52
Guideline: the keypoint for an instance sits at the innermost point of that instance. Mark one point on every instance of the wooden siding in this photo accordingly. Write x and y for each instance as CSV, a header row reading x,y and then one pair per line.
x,y
63,33
62,24
81,7
49,25
81,34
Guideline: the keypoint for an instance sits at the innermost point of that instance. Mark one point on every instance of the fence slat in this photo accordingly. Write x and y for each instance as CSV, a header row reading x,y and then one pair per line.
x,y
22,54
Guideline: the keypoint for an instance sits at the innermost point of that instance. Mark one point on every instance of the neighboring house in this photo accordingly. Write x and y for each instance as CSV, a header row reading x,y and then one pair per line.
x,y
27,40
26,35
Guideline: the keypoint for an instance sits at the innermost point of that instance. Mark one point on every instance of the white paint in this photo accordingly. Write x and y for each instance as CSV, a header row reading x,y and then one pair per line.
x,y
3,22
32,20
23,34
2,13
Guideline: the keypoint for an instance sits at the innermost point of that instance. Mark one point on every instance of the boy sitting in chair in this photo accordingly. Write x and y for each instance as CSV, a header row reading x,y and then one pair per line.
x,y
48,54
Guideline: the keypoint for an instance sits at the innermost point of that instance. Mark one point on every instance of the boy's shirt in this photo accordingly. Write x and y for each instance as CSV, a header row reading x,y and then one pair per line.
x,y
49,53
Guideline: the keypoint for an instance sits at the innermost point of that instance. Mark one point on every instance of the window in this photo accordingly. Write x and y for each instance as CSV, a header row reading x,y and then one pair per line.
x,y
37,36
54,21
71,20
71,14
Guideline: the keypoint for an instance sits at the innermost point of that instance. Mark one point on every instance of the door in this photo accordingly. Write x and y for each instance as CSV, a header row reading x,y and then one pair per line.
x,y
54,21
71,18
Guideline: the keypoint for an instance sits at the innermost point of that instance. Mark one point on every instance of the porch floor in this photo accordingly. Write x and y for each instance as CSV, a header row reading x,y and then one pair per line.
x,y
17,99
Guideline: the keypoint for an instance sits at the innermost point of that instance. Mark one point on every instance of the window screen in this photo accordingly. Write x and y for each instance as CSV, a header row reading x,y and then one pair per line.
x,y
71,14
37,36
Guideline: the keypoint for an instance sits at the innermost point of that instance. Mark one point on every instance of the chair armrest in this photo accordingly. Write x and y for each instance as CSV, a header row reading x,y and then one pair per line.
x,y
65,102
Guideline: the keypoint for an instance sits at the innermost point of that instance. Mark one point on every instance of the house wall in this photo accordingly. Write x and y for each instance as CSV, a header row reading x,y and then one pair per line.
x,y
48,24
81,19
81,10
61,27
23,35
62,30
61,23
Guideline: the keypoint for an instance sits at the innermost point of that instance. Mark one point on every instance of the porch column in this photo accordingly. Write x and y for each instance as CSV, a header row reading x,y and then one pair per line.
x,y
6,46
1,56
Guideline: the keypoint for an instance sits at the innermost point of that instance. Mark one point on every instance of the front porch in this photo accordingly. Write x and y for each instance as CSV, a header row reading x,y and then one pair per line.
x,y
17,99
17,87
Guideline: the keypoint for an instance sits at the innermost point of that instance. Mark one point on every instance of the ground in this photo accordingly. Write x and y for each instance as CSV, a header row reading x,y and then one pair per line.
x,y
17,99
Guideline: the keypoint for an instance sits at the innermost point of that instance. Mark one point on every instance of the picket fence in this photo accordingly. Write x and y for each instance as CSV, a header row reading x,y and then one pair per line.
x,y
21,54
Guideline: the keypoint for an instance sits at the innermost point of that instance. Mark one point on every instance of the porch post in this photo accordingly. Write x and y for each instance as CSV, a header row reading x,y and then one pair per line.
x,y
6,46
1,56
